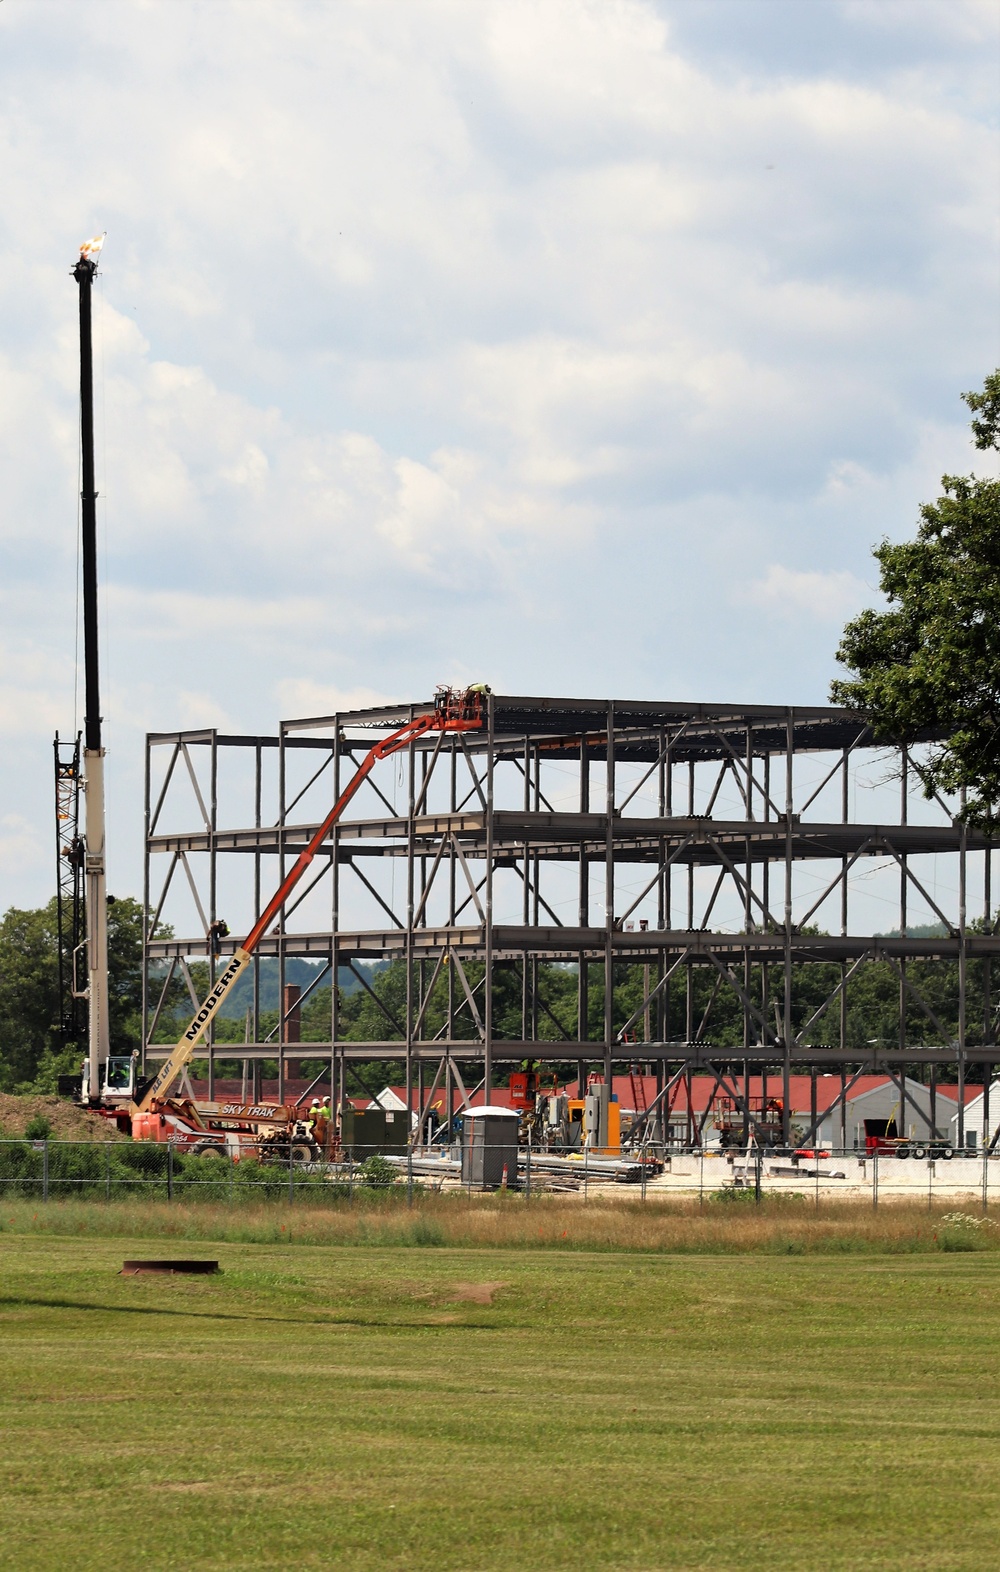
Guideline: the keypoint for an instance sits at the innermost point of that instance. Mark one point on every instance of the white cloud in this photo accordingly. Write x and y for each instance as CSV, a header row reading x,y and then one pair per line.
x,y
29,689
822,597
509,340
21,850
301,697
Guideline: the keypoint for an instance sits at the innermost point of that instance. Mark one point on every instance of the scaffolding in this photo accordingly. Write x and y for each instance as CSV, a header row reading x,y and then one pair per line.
x,y
684,839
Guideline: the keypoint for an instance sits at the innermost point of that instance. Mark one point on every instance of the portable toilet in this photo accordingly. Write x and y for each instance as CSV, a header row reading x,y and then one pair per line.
x,y
489,1145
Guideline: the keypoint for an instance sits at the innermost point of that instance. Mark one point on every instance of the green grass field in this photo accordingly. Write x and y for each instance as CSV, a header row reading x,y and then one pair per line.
x,y
371,1406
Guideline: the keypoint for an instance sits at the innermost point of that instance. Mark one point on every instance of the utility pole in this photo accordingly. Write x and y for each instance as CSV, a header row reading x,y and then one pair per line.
x,y
95,886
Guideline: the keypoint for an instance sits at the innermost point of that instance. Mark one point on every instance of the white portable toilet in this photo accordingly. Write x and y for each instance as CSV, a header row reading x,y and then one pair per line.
x,y
489,1145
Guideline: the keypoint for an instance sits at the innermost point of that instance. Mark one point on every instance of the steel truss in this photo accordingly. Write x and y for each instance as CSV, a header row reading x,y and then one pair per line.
x,y
540,838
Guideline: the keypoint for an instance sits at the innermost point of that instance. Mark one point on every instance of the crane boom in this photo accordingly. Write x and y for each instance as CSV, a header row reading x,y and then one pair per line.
x,y
453,711
94,873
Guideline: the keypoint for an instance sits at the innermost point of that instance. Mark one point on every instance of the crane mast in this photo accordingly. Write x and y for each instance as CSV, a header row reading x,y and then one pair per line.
x,y
94,875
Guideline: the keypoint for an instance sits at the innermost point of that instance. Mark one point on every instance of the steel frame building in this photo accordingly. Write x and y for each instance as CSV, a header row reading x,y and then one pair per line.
x,y
540,838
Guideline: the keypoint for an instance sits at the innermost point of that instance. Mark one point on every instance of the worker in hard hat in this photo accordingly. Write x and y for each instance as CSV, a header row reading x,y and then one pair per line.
x,y
473,701
321,1127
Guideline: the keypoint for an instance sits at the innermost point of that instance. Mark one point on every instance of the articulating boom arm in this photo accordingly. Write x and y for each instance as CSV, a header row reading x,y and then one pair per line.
x,y
454,711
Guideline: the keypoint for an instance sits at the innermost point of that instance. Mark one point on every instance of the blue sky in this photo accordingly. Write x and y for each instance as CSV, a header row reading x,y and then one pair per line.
x,y
583,346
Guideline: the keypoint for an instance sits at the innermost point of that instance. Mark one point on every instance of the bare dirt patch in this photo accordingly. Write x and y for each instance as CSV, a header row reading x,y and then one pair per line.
x,y
69,1123
475,1293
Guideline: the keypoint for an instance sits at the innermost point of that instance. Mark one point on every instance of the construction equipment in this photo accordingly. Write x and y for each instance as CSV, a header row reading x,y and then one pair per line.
x,y
531,1101
87,851
593,1122
764,1115
523,1086
882,1139
455,710
69,885
269,1132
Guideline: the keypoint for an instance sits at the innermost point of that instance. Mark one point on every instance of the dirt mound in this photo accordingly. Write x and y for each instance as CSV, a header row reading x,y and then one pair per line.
x,y
69,1123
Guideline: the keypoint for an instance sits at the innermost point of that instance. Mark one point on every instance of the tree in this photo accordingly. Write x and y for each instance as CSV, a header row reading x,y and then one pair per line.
x,y
986,430
29,991
31,1053
932,661
125,973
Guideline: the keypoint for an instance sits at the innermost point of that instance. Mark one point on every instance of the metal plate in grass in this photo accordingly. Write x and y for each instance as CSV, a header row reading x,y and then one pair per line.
x,y
134,1268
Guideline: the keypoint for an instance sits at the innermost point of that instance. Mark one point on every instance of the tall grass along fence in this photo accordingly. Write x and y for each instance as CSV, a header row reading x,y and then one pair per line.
x,y
47,1169
112,1170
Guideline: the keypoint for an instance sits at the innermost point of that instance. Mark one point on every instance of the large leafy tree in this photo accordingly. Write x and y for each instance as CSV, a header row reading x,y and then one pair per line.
x,y
31,1053
932,660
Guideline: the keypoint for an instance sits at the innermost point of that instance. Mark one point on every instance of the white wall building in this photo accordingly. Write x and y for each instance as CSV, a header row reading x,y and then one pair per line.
x,y
980,1125
911,1112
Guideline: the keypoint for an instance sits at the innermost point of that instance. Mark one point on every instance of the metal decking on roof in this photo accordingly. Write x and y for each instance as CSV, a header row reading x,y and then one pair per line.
x,y
695,731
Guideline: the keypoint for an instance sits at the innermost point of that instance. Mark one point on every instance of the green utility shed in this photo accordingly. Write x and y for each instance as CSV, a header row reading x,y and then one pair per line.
x,y
364,1131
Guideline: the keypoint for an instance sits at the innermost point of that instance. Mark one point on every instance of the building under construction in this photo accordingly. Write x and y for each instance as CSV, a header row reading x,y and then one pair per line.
x,y
737,843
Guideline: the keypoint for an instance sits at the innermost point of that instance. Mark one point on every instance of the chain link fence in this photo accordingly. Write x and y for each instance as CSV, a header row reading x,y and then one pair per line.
x,y
49,1169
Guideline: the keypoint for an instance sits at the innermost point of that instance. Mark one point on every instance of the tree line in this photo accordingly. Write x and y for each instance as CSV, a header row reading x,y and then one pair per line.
x,y
32,1054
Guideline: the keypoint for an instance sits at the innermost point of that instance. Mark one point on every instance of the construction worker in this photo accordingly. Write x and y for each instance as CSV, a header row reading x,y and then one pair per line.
x,y
321,1128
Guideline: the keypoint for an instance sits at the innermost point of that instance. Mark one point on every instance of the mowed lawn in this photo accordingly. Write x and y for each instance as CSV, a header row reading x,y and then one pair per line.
x,y
447,1409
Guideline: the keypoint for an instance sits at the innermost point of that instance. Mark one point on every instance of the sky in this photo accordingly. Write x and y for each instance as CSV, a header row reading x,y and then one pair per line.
x,y
578,346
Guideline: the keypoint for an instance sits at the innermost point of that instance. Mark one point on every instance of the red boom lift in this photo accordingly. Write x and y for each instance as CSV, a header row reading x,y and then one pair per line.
x,y
155,1115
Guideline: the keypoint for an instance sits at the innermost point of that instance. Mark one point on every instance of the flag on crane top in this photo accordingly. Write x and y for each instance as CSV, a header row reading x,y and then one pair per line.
x,y
90,250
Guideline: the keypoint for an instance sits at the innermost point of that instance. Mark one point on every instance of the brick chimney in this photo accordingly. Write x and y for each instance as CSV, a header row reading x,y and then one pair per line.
x,y
291,1031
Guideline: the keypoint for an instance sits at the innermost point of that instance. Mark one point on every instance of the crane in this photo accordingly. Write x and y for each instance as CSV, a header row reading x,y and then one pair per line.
x,y
455,710
91,850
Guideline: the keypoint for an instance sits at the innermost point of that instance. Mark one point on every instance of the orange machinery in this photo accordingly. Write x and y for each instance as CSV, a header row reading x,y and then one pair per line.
x,y
154,1113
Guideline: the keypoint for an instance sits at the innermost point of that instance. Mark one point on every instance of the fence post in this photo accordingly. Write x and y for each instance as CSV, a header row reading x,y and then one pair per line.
x,y
170,1170
45,1169
586,1177
985,1154
409,1170
874,1181
701,1179
107,1170
291,1181
527,1171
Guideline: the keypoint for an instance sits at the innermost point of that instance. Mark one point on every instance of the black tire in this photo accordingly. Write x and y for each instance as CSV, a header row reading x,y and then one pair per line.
x,y
947,1154
920,1153
301,1153
902,1151
209,1149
